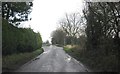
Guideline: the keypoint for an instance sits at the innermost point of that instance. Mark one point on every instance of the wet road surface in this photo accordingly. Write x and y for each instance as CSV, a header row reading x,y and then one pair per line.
x,y
53,59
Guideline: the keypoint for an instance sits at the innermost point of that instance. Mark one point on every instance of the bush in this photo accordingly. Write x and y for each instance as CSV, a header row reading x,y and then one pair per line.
x,y
16,40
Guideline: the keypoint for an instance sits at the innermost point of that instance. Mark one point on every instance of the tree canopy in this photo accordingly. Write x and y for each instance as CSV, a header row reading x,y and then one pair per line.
x,y
15,12
58,36
103,34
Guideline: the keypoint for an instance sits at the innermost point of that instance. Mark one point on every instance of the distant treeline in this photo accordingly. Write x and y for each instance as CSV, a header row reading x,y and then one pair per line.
x,y
16,40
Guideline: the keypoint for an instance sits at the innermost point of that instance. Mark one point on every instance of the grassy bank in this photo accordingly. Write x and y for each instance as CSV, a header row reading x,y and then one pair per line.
x,y
93,59
73,51
14,61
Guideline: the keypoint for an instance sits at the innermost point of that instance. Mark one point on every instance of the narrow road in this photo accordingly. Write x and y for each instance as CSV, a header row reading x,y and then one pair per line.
x,y
54,59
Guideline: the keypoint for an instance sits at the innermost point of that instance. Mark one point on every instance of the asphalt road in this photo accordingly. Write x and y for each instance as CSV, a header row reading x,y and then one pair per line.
x,y
54,59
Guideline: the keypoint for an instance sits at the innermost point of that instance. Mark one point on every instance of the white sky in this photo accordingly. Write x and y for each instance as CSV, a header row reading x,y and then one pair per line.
x,y
46,13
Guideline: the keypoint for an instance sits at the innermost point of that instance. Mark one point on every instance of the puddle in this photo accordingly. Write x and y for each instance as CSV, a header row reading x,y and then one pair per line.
x,y
68,59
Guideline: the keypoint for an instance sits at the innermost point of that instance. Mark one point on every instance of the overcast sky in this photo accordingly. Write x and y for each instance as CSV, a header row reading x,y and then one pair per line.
x,y
46,13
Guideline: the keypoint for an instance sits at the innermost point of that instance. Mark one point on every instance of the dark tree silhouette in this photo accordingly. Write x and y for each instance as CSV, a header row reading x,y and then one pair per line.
x,y
15,12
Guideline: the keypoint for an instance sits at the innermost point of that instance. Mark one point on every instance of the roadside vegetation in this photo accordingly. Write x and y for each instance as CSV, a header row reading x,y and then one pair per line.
x,y
93,61
17,40
19,45
14,61
73,51
94,37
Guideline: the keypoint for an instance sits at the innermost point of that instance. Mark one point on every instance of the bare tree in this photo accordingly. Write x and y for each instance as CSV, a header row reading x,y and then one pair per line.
x,y
73,25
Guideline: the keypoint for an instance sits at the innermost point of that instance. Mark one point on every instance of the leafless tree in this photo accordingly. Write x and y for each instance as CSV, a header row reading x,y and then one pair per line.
x,y
73,25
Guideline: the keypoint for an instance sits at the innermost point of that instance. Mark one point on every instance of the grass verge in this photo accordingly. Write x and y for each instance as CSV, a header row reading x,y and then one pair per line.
x,y
94,60
73,51
14,61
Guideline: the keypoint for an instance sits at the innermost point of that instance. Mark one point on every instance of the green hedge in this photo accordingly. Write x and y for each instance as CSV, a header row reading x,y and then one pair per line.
x,y
16,40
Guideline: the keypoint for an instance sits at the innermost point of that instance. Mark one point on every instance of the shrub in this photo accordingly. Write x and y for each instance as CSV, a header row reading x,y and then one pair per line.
x,y
16,39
